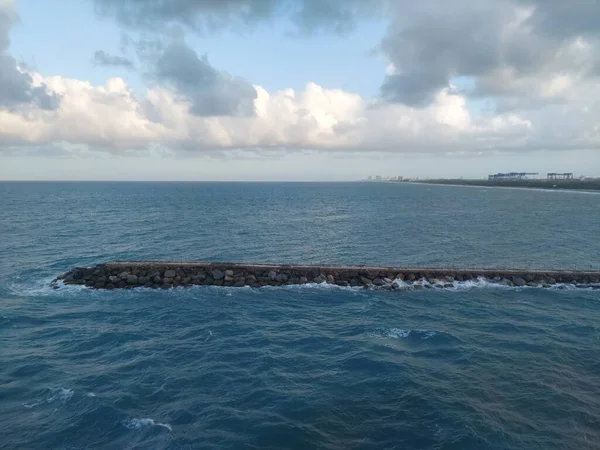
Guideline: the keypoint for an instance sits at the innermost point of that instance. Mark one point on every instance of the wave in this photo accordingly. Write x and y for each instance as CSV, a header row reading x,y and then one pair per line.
x,y
136,424
63,395
416,336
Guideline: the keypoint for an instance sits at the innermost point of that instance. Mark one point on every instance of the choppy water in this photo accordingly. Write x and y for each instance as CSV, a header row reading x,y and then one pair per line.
x,y
296,367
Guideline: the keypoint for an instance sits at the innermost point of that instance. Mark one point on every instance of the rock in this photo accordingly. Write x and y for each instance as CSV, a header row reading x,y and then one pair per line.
x,y
343,283
62,276
99,285
272,275
365,280
387,280
68,278
229,273
239,284
448,285
132,279
303,280
532,284
170,274
110,286
411,277
320,279
113,279
529,277
520,282
168,281
217,274
551,280
144,280
281,278
395,285
124,275
378,282
228,278
330,279
157,279
400,276
251,279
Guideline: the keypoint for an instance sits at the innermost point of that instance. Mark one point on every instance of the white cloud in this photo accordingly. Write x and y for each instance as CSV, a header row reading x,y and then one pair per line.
x,y
112,118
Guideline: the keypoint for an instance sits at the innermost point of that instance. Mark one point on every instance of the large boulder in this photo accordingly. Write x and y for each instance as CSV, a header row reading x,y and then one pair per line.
x,y
520,282
320,279
281,278
378,282
170,273
272,275
132,279
218,275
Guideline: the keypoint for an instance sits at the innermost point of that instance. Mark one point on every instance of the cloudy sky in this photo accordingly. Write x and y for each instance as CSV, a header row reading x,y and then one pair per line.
x,y
297,89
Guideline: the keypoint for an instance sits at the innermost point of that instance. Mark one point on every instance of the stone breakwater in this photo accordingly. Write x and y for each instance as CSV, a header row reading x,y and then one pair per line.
x,y
165,275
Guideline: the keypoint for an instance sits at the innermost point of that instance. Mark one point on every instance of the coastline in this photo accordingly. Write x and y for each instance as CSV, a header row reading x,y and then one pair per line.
x,y
550,185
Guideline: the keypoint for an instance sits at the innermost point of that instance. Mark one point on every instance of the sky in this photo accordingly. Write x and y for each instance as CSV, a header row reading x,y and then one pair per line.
x,y
299,90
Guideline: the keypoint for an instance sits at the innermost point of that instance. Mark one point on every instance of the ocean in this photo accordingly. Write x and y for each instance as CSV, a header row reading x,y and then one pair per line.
x,y
297,367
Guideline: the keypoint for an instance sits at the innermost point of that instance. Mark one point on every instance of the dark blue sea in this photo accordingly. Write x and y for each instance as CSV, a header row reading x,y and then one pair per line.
x,y
476,367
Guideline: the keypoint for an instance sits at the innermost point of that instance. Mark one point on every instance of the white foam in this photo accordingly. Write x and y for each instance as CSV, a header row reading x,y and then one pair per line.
x,y
135,424
91,394
397,333
33,404
61,394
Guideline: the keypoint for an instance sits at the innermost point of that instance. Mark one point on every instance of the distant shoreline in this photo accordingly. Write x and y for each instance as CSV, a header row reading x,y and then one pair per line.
x,y
578,185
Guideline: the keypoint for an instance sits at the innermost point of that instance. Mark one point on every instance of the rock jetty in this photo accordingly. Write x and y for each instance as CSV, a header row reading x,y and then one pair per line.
x,y
165,275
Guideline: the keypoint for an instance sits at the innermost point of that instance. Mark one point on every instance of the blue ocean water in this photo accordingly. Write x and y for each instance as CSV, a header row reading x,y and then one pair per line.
x,y
306,366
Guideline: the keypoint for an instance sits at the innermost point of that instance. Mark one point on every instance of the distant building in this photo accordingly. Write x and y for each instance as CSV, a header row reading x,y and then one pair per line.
x,y
560,176
510,176
378,178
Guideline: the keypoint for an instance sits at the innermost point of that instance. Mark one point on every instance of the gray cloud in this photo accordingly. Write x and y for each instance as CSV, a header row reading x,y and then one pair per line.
x,y
486,40
16,86
101,58
211,92
206,16
561,18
